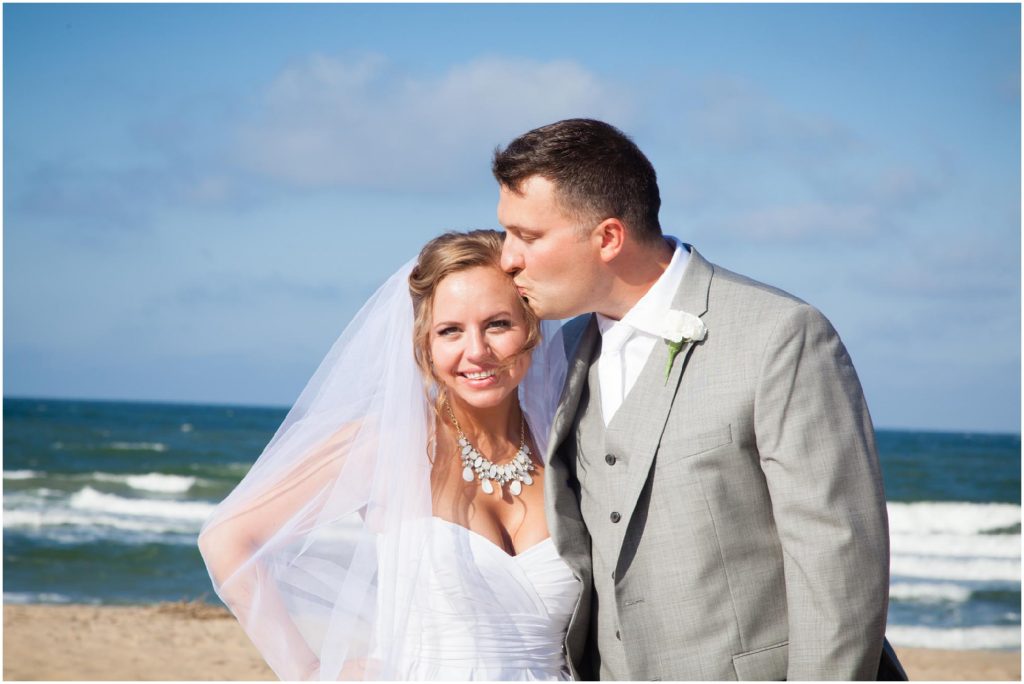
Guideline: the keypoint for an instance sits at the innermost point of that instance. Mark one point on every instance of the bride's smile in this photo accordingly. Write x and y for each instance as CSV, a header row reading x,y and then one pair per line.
x,y
481,379
477,333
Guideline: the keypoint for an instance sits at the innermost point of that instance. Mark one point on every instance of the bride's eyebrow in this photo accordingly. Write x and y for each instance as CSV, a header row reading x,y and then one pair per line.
x,y
488,319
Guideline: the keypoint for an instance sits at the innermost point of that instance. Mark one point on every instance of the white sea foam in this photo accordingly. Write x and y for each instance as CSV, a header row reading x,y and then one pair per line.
x,y
973,569
30,498
22,597
951,517
958,638
929,592
88,514
151,482
91,500
75,522
157,482
137,446
21,498
937,547
22,474
957,545
64,526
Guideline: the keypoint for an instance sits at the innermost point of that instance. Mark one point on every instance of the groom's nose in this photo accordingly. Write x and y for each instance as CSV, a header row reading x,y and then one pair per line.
x,y
511,257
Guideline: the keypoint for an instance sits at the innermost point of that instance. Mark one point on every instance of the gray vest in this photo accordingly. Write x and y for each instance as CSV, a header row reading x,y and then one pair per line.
x,y
604,455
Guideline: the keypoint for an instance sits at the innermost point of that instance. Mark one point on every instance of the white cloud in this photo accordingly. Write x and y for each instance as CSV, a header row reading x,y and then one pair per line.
x,y
978,267
903,187
328,122
846,207
808,222
741,118
765,167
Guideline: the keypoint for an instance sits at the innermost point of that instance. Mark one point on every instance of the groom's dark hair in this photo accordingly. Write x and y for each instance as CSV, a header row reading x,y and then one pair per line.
x,y
598,173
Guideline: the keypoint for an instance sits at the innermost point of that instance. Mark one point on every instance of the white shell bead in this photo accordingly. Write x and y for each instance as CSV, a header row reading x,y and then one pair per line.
x,y
527,479
516,488
467,474
487,487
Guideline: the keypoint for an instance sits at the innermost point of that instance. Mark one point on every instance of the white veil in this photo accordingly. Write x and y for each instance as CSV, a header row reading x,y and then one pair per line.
x,y
294,550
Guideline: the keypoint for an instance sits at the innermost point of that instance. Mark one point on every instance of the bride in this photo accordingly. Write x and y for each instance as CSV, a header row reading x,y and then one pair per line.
x,y
394,528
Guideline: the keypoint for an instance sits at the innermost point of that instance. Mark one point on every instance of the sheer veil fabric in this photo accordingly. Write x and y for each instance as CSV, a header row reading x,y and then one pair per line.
x,y
304,550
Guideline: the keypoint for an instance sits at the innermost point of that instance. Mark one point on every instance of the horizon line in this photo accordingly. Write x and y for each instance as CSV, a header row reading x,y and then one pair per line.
x,y
284,407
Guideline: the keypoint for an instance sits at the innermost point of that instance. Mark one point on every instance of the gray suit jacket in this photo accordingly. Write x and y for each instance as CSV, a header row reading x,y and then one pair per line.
x,y
757,546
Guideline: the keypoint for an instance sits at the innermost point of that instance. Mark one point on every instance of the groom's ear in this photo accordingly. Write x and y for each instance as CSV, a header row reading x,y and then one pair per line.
x,y
610,235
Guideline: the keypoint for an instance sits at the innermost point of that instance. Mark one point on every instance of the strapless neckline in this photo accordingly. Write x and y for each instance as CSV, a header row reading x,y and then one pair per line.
x,y
476,612
547,541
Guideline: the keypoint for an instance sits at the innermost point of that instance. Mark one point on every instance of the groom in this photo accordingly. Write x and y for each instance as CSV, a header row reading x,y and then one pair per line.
x,y
712,474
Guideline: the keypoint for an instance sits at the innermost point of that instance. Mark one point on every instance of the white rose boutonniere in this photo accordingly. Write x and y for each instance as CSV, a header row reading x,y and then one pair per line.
x,y
678,329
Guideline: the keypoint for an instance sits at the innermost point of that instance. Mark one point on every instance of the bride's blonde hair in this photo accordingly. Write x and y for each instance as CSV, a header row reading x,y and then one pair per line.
x,y
444,255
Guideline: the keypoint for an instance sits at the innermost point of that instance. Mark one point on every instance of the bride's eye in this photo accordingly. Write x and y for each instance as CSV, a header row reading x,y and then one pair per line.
x,y
500,324
444,332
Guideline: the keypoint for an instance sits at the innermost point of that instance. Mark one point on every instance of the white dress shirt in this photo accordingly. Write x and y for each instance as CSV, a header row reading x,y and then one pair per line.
x,y
627,343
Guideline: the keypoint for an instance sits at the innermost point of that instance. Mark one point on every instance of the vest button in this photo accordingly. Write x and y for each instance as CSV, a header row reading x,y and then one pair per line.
x,y
617,635
615,516
609,459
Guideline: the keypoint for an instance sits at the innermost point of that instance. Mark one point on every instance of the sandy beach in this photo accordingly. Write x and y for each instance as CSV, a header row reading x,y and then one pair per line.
x,y
195,641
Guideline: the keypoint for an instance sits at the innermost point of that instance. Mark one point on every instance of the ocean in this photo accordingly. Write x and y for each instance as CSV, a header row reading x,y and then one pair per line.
x,y
102,502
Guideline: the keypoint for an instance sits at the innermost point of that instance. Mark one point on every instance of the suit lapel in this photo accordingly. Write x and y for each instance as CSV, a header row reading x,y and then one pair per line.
x,y
565,523
575,380
649,402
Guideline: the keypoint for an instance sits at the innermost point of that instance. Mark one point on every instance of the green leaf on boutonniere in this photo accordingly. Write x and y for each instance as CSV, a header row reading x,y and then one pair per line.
x,y
673,351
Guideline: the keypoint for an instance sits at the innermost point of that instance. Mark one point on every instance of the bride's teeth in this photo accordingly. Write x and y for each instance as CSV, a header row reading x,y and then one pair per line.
x,y
479,376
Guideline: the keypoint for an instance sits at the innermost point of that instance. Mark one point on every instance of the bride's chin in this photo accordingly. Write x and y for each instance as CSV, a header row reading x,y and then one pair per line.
x,y
488,398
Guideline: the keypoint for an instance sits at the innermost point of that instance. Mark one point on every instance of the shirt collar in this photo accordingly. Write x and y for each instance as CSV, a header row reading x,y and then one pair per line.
x,y
648,313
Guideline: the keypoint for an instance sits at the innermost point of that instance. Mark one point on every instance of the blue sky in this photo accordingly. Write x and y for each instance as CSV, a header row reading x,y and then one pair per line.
x,y
198,197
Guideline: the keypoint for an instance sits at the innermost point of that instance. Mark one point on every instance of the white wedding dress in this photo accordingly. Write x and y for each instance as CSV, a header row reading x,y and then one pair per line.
x,y
478,613
328,552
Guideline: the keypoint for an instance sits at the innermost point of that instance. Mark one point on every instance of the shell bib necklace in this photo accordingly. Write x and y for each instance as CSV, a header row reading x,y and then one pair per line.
x,y
515,473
